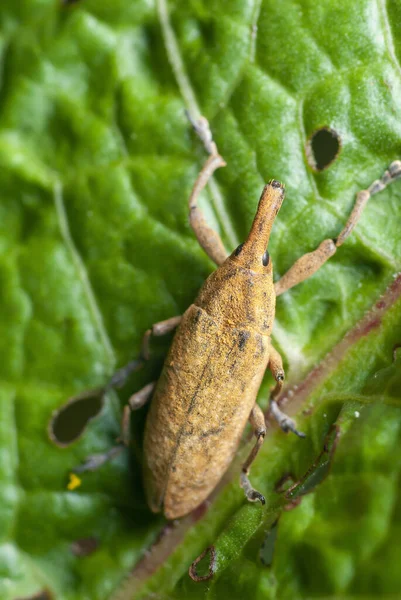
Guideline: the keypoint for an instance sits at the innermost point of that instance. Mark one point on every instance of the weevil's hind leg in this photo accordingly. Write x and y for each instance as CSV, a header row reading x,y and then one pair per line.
x,y
276,368
208,239
136,401
257,420
308,264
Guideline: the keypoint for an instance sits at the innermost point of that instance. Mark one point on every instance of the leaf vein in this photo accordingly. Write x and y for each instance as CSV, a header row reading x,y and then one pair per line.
x,y
83,274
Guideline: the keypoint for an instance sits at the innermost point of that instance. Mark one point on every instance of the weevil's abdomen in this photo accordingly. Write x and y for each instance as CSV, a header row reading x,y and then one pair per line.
x,y
202,401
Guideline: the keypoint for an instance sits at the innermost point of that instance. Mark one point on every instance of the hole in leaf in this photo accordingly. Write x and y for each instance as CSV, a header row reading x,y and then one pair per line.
x,y
322,148
68,423
200,565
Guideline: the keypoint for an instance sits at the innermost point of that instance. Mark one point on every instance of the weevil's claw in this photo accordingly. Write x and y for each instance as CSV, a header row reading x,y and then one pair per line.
x,y
286,423
251,494
202,128
255,496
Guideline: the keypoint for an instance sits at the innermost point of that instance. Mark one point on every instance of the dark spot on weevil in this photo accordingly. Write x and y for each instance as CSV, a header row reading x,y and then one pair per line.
x,y
260,347
197,315
212,431
242,339
69,422
193,571
266,259
188,432
230,275
84,547
232,367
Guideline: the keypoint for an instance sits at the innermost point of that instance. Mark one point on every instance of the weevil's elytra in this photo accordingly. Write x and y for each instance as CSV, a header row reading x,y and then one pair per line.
x,y
210,380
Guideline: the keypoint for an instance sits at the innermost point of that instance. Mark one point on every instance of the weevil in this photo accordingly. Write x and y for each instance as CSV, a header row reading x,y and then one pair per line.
x,y
221,349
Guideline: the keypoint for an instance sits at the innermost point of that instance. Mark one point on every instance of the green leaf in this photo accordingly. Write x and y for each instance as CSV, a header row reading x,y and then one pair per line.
x,y
97,162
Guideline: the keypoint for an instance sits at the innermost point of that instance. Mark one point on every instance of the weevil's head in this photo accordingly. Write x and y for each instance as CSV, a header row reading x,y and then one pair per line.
x,y
240,292
253,253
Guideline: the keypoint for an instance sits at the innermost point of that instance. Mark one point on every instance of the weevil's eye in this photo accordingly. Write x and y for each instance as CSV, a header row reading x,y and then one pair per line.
x,y
265,259
238,250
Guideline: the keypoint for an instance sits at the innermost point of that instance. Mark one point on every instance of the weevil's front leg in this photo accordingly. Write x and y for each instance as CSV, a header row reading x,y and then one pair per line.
x,y
308,264
276,368
208,238
257,420
157,330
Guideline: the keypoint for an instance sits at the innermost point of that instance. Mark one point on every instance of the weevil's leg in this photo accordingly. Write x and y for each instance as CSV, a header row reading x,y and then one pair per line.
x,y
95,461
157,330
276,368
120,377
257,420
208,239
136,401
308,264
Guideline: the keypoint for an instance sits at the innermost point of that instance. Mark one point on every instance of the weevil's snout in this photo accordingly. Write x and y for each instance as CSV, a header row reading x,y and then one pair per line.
x,y
252,254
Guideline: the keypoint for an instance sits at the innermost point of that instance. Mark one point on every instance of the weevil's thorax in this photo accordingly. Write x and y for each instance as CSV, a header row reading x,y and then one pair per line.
x,y
241,292
239,297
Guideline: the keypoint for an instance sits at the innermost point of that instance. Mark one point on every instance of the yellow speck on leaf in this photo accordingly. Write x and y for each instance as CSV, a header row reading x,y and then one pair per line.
x,y
74,482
